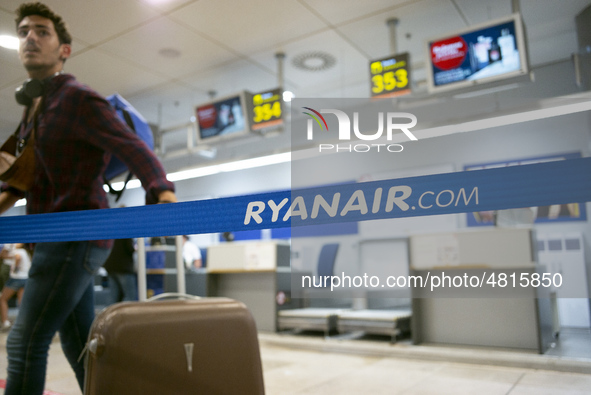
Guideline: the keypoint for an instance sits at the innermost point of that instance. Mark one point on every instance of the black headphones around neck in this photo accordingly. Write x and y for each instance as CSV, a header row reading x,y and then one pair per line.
x,y
31,89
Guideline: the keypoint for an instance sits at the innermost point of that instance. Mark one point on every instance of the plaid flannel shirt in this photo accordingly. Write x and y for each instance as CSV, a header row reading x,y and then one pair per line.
x,y
77,132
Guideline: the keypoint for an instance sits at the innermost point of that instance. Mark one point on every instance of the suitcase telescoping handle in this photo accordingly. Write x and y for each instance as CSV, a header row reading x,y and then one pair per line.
x,y
141,268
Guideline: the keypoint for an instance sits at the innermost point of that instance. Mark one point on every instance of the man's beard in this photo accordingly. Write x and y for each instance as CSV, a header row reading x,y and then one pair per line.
x,y
35,67
41,65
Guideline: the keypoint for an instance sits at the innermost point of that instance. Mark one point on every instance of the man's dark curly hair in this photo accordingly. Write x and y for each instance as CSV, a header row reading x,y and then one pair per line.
x,y
41,9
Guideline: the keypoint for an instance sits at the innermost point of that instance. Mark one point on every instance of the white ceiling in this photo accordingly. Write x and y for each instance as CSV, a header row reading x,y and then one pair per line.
x,y
230,45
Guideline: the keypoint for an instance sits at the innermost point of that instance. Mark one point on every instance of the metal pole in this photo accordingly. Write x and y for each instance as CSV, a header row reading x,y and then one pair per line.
x,y
142,283
190,144
392,23
160,140
280,56
576,61
157,138
180,266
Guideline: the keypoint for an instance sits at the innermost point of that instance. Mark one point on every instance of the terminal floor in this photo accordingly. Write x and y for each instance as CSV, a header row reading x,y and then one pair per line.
x,y
311,364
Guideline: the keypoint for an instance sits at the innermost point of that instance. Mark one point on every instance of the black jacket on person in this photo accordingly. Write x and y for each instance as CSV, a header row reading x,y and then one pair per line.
x,y
121,258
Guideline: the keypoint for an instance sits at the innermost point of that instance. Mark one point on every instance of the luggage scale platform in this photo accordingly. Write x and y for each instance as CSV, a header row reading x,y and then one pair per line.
x,y
311,318
381,322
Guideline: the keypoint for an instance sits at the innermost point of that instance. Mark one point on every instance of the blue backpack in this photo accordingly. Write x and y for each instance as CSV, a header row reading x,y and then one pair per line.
x,y
140,126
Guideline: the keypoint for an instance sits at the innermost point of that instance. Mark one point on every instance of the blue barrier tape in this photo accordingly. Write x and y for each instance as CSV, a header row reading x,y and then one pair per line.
x,y
561,182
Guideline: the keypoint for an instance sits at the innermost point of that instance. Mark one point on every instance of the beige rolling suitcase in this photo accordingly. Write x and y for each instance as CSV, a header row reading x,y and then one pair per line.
x,y
192,346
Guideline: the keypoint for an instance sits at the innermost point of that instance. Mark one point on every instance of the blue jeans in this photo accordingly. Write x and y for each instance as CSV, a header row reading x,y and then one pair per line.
x,y
123,287
59,296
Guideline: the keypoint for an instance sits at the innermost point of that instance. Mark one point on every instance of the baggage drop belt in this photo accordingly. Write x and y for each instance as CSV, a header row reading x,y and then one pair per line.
x,y
541,184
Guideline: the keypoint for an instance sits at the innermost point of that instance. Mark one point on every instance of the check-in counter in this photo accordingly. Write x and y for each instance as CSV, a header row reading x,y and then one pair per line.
x,y
256,273
471,307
